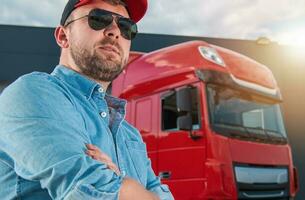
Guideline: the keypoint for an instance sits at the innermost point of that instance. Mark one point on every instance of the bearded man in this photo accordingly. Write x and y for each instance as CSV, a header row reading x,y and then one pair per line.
x,y
61,135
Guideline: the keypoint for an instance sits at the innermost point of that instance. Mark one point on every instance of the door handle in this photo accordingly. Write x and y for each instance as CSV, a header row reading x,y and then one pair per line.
x,y
165,175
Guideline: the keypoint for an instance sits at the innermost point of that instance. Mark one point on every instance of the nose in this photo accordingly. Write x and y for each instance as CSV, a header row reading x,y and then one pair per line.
x,y
112,30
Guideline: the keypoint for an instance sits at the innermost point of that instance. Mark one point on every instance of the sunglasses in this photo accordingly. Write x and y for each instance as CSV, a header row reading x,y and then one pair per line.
x,y
99,19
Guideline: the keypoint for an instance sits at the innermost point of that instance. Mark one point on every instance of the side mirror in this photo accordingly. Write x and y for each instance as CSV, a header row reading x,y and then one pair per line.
x,y
184,100
184,107
185,122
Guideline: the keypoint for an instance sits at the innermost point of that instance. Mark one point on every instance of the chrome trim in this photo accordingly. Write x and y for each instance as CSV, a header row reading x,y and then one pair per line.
x,y
263,195
253,86
251,175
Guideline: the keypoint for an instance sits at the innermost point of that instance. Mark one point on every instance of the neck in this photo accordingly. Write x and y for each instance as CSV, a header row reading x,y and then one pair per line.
x,y
68,62
103,84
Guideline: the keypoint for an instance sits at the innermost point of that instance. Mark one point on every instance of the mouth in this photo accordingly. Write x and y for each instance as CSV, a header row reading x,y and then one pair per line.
x,y
111,49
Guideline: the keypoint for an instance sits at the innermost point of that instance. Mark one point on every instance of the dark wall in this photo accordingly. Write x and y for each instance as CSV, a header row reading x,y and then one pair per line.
x,y
26,49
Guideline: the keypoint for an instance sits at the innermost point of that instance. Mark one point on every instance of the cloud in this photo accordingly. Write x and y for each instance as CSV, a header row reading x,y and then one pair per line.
x,y
31,12
242,19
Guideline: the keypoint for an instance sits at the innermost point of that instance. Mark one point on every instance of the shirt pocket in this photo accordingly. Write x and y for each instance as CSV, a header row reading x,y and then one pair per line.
x,y
138,156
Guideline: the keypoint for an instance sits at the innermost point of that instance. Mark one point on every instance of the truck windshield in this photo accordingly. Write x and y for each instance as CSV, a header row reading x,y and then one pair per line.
x,y
245,115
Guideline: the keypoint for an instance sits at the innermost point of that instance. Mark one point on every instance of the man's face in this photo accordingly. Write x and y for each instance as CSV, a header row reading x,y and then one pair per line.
x,y
100,55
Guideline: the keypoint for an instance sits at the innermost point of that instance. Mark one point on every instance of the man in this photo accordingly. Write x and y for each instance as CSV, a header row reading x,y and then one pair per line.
x,y
49,121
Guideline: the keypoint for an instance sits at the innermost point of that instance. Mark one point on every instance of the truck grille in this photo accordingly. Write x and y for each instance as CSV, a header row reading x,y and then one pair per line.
x,y
259,182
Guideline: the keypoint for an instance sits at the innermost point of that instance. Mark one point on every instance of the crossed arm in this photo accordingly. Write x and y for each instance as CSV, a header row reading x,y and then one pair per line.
x,y
48,141
130,188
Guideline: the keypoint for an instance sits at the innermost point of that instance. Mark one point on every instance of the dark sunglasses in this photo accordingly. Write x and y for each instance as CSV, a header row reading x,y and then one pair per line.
x,y
99,19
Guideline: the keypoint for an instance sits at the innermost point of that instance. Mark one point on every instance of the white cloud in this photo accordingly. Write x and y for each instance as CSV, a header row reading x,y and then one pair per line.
x,y
243,19
31,12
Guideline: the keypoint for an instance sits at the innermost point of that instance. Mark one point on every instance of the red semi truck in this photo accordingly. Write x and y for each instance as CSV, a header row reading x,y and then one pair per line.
x,y
211,121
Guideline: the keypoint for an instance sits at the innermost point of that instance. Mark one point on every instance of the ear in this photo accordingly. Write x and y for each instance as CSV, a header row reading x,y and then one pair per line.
x,y
61,37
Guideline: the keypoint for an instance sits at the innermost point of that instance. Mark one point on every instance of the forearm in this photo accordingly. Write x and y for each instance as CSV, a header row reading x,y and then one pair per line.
x,y
132,190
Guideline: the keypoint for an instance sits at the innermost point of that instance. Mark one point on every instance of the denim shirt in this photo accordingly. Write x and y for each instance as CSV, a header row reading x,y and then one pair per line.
x,y
45,122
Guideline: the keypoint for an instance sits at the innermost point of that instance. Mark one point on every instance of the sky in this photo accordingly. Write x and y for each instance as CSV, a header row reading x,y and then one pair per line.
x,y
281,21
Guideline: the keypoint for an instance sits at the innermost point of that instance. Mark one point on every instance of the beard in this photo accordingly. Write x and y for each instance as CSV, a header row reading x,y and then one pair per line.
x,y
98,67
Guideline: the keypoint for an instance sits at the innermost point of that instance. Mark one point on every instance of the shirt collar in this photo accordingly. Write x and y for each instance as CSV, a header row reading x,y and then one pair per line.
x,y
76,80
87,86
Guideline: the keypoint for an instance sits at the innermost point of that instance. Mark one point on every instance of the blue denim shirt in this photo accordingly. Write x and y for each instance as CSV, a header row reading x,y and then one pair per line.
x,y
45,122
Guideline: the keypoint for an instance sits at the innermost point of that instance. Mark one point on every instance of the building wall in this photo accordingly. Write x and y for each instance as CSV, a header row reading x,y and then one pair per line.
x,y
26,49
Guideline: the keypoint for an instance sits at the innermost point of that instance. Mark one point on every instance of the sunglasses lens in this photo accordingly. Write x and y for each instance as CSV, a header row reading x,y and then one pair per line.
x,y
99,20
128,28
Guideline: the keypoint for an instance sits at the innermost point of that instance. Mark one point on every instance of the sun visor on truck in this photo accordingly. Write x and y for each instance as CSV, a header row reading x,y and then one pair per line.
x,y
225,79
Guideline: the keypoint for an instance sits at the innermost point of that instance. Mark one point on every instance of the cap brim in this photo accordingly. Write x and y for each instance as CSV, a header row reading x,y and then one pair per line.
x,y
136,8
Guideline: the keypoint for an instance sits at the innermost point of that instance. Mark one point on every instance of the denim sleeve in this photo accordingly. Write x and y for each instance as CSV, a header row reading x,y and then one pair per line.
x,y
44,135
153,183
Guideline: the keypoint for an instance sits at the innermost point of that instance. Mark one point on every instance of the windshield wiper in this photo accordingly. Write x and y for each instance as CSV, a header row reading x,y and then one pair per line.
x,y
277,136
269,135
232,130
258,133
249,133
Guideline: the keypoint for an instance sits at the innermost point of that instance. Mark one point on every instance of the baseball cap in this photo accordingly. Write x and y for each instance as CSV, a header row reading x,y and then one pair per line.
x,y
135,8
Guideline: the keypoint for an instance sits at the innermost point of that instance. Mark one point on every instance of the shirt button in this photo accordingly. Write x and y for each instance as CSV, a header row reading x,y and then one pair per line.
x,y
100,90
103,114
123,173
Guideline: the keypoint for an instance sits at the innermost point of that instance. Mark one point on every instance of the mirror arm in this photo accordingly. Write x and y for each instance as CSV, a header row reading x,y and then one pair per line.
x,y
193,136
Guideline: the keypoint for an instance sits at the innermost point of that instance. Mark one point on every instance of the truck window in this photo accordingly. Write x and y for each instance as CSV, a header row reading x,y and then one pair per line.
x,y
253,118
170,112
232,109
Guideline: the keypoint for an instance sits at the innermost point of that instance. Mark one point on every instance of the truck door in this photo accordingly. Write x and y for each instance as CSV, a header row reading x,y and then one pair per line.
x,y
141,114
181,156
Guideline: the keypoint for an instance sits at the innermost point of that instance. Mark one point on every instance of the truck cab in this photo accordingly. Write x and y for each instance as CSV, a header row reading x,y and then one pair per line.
x,y
212,122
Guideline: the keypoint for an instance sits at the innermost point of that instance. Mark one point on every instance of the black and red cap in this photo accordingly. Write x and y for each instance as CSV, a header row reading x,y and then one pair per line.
x,y
135,8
